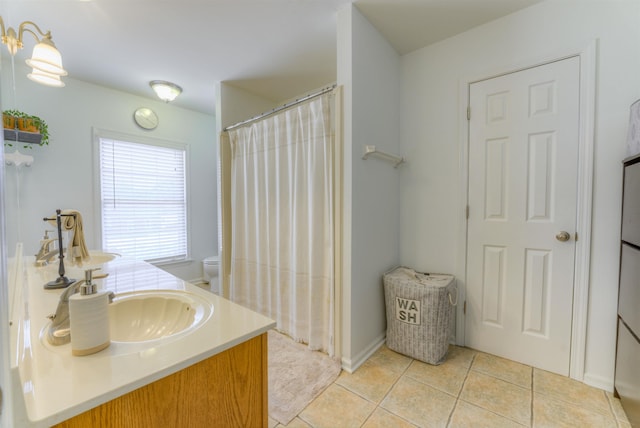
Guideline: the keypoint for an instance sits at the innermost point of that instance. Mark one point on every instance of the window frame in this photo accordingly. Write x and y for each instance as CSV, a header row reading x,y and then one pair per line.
x,y
99,134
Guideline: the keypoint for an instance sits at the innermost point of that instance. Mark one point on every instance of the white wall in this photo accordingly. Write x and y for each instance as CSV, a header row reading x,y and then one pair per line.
x,y
430,183
236,105
369,70
63,172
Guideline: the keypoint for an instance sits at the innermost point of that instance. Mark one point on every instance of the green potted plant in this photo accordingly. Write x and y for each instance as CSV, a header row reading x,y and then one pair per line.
x,y
18,120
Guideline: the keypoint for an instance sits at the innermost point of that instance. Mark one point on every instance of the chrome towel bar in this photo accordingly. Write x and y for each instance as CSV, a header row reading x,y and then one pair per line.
x,y
371,150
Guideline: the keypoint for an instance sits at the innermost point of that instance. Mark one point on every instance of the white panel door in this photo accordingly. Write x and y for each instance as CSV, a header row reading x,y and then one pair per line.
x,y
523,164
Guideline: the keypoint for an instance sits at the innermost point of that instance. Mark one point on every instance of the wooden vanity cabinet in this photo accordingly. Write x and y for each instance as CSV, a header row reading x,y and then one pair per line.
x,y
226,390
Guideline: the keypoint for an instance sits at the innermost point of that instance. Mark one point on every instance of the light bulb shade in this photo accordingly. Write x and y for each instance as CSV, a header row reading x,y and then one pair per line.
x,y
166,91
47,58
45,78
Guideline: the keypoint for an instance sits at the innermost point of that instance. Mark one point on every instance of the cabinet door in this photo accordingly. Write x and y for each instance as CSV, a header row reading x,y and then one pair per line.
x,y
226,390
627,378
629,297
631,205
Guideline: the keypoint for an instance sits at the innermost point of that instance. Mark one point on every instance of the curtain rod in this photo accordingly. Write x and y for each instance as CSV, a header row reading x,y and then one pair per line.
x,y
282,107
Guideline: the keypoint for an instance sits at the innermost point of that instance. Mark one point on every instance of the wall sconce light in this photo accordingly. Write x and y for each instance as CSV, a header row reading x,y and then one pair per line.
x,y
45,60
166,91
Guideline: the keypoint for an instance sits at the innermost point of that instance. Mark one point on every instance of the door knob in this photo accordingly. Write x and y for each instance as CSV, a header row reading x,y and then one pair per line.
x,y
563,236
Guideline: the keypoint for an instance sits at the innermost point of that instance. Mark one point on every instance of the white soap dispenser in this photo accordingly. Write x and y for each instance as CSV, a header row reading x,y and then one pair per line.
x,y
89,318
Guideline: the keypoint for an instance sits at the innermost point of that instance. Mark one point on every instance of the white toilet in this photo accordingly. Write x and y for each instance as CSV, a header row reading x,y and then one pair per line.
x,y
210,267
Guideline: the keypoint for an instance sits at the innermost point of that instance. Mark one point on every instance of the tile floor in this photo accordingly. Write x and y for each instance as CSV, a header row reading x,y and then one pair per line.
x,y
471,389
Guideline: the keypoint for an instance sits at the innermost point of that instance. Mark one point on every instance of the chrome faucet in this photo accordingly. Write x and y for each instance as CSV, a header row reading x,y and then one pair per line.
x,y
45,254
59,332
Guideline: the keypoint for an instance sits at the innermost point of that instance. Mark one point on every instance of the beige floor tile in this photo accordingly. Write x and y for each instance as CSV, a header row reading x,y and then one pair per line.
x,y
389,359
272,423
383,419
504,369
371,381
295,423
467,415
460,355
498,396
618,410
337,407
569,390
495,393
418,403
549,412
447,377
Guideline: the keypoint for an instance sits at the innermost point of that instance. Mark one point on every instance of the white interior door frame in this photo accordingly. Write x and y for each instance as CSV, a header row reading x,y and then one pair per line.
x,y
587,55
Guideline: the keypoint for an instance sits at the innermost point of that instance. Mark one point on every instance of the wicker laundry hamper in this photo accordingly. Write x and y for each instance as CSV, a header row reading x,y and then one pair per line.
x,y
419,308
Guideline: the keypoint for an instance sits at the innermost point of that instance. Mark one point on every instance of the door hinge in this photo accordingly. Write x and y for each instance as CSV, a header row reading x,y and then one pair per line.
x,y
469,113
576,237
464,308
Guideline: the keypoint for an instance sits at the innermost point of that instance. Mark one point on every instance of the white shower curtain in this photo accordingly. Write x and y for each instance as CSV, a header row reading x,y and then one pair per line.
x,y
282,249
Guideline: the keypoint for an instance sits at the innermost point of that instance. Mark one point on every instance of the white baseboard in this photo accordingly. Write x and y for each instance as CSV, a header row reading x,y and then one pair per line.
x,y
598,382
350,365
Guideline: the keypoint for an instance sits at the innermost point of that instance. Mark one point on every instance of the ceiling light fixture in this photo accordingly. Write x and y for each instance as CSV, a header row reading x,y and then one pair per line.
x,y
45,60
166,91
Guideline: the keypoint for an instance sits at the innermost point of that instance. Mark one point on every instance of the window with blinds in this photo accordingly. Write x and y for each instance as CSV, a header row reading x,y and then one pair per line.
x,y
143,199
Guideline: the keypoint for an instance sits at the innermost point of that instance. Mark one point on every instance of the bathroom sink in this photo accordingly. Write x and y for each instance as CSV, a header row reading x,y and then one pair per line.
x,y
100,257
143,316
141,320
97,258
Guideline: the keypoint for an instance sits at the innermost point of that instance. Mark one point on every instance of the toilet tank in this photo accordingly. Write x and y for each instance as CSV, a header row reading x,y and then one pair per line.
x,y
210,268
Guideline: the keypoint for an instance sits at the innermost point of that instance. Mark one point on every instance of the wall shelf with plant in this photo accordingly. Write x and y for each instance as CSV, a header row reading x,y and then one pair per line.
x,y
24,128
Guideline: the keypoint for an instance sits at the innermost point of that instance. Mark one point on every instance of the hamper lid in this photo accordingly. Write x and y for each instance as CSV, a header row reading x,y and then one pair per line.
x,y
431,279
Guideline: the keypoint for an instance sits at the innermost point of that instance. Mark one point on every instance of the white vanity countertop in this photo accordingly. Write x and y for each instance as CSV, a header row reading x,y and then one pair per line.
x,y
57,386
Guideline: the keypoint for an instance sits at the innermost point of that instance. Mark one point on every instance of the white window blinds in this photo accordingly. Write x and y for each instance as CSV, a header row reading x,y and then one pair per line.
x,y
143,197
